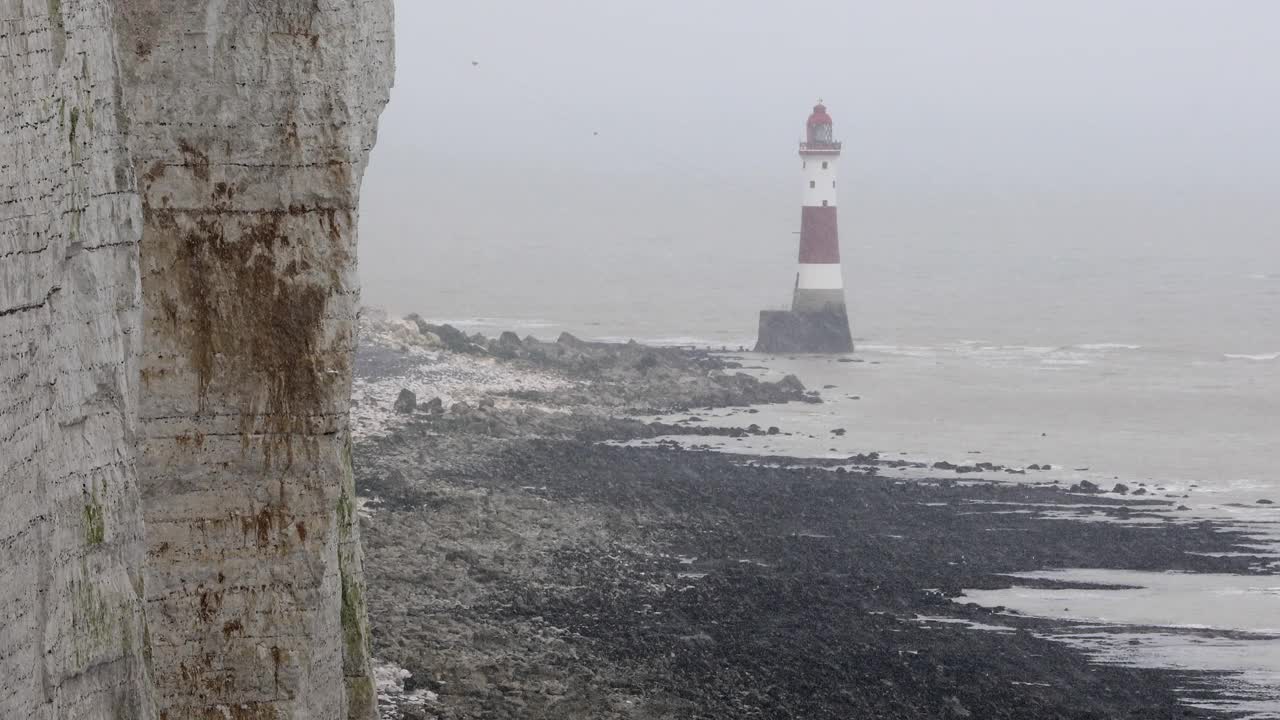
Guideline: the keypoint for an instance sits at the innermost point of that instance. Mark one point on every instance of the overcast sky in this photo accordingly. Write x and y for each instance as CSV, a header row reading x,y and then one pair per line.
x,y
1094,91
511,116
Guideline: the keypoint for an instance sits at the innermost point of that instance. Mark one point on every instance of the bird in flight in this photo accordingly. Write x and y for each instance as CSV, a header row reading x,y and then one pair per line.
x,y
475,63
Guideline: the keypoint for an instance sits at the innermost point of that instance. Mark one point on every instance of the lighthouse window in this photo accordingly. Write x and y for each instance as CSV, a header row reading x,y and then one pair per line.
x,y
812,184
824,164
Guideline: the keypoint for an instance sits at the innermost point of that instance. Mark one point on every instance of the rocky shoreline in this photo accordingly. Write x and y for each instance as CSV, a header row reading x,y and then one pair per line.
x,y
519,567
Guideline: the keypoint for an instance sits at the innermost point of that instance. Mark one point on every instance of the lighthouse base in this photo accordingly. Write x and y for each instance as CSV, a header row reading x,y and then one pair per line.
x,y
819,331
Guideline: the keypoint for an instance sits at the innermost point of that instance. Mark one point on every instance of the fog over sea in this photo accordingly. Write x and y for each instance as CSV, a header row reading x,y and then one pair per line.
x,y
994,318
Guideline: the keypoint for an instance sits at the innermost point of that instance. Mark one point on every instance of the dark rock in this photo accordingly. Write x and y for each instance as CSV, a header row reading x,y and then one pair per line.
x,y
507,346
453,339
1265,501
944,465
569,340
434,406
773,430
406,402
838,432
1140,491
1120,488
791,383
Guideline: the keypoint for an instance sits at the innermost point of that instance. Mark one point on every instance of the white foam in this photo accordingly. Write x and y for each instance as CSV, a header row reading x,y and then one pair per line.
x,y
1261,357
1108,346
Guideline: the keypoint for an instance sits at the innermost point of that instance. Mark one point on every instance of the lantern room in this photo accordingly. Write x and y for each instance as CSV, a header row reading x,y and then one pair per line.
x,y
818,133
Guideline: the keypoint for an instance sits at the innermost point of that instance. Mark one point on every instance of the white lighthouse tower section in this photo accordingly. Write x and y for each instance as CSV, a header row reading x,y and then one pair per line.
x,y
821,276
820,181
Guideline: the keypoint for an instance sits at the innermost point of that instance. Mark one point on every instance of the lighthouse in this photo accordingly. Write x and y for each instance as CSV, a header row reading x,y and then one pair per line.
x,y
817,321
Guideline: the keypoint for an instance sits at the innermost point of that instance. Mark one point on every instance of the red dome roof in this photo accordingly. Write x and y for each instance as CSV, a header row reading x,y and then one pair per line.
x,y
819,116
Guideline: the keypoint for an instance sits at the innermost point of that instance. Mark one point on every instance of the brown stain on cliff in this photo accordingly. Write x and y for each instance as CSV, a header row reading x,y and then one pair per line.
x,y
231,627
252,310
277,659
260,525
210,604
195,159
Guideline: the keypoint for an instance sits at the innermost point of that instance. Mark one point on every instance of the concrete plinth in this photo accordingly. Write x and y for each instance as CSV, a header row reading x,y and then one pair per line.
x,y
786,331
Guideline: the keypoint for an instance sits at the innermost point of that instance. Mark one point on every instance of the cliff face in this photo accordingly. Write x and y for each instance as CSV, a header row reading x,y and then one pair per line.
x,y
72,634
247,126
251,124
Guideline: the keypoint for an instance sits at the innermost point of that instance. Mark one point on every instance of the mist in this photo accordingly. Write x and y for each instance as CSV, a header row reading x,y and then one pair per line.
x,y
643,156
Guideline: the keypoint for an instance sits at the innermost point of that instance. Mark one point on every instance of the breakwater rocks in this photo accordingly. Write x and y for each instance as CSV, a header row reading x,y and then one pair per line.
x,y
522,564
624,376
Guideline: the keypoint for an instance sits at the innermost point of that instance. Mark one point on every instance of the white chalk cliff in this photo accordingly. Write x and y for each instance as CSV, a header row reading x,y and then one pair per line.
x,y
179,186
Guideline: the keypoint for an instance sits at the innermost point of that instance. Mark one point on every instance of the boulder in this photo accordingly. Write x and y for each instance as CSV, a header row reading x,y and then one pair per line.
x,y
569,340
451,338
406,402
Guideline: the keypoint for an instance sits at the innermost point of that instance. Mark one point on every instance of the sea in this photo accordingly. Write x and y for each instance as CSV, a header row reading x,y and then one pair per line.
x,y
1114,337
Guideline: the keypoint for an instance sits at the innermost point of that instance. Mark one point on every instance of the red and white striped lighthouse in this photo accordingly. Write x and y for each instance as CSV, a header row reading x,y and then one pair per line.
x,y
819,282
817,321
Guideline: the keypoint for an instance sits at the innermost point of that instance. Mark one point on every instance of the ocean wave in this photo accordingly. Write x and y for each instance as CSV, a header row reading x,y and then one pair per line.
x,y
1261,357
1108,346
496,323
